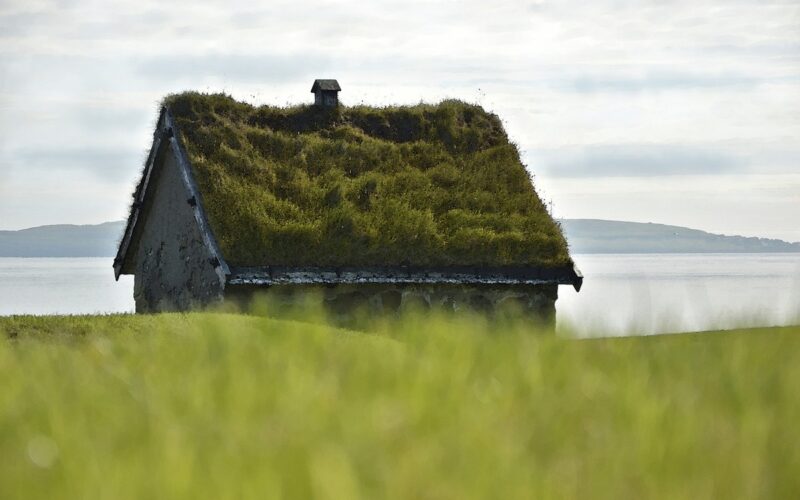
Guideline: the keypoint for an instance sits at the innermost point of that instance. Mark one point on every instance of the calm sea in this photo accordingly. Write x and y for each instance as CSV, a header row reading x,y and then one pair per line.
x,y
621,295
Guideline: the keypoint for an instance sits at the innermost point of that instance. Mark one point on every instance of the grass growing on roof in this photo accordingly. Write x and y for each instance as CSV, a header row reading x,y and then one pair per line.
x,y
357,186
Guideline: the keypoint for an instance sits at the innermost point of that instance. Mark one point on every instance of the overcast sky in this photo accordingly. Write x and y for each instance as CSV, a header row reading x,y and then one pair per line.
x,y
676,112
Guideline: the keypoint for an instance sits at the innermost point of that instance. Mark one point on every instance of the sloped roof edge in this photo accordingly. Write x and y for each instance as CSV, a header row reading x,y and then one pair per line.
x,y
166,136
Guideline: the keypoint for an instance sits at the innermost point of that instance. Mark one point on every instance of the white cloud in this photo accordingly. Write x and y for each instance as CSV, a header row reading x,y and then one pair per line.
x,y
716,83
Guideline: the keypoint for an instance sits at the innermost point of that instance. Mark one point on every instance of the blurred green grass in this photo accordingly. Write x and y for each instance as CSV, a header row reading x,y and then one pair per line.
x,y
221,406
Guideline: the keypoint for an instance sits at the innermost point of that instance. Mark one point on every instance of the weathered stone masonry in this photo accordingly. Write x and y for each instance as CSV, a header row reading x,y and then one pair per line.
x,y
172,263
537,302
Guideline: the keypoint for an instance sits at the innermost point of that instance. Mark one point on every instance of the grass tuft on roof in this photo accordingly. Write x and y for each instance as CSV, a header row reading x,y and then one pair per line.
x,y
422,185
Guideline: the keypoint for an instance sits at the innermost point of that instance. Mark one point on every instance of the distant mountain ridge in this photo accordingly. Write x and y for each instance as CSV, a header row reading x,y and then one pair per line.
x,y
606,236
583,235
62,240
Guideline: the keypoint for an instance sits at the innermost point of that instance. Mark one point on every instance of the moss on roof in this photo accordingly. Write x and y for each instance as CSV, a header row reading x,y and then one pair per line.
x,y
425,185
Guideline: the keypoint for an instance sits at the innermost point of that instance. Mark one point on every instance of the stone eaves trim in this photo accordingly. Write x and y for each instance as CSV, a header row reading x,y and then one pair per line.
x,y
465,275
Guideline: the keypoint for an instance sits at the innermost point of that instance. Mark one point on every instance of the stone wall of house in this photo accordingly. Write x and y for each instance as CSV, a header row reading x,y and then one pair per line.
x,y
173,269
347,303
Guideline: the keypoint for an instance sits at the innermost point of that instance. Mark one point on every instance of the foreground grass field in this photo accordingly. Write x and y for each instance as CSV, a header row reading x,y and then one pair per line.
x,y
232,406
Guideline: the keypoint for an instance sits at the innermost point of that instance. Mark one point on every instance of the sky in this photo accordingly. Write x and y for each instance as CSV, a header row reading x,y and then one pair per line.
x,y
677,112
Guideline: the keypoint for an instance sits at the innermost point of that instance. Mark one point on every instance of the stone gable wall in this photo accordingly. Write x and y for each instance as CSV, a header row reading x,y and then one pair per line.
x,y
173,269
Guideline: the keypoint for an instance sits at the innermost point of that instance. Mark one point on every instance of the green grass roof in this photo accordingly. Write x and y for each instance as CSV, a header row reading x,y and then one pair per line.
x,y
425,185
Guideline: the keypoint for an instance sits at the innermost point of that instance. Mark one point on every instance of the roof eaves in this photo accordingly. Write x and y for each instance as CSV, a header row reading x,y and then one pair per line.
x,y
275,275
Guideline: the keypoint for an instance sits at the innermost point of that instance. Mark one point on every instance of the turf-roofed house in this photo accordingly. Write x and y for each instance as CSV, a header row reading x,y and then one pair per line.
x,y
375,208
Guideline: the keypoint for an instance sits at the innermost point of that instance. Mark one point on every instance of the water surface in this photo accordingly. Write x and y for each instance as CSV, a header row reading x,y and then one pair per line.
x,y
658,293
62,286
621,295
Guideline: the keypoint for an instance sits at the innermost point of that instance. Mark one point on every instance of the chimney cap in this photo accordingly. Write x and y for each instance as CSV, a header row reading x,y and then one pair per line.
x,y
329,84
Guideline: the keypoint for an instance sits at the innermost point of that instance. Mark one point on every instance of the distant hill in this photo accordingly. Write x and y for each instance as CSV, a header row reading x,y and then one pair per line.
x,y
583,235
62,240
607,236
